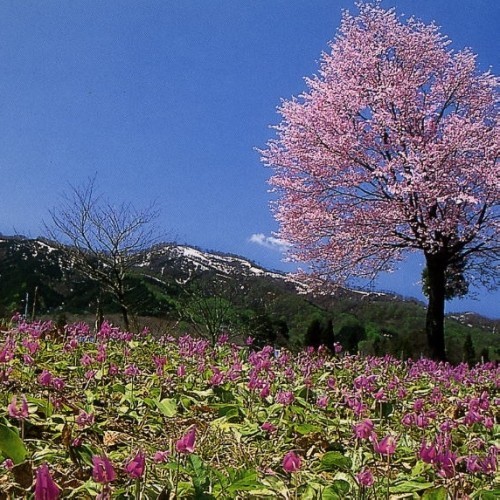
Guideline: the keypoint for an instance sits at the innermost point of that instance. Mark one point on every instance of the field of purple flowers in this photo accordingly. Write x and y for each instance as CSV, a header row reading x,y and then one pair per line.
x,y
121,415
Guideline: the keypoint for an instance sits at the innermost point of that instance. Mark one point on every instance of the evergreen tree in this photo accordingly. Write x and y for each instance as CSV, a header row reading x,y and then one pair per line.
x,y
314,334
469,351
485,355
327,335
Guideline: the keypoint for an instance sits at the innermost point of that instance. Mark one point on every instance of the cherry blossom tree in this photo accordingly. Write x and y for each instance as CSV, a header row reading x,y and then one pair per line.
x,y
393,148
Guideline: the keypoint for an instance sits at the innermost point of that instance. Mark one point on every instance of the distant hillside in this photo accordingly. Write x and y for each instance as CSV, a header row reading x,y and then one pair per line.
x,y
187,286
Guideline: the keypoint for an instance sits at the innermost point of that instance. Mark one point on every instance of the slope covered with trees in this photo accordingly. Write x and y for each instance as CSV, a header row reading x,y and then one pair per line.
x,y
183,289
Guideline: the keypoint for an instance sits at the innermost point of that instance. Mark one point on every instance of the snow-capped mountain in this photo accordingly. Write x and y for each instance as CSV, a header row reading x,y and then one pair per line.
x,y
186,260
45,268
27,265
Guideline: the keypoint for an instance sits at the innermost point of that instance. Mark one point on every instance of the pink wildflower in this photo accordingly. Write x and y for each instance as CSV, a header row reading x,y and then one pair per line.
x,y
428,452
322,401
187,443
291,462
8,464
45,487
86,360
20,413
136,465
84,419
489,463
58,383
45,378
265,391
387,446
285,397
365,478
132,371
102,470
268,427
408,419
364,429
161,456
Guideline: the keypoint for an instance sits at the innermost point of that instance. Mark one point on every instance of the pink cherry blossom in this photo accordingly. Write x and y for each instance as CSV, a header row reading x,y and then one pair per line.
x,y
392,149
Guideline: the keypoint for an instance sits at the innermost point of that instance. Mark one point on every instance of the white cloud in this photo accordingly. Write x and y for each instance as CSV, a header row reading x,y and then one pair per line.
x,y
270,242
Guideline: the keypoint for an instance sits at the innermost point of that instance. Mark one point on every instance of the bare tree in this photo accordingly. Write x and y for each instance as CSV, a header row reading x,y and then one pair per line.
x,y
106,240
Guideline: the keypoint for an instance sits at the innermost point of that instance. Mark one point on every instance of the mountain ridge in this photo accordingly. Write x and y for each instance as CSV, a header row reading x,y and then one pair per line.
x,y
183,260
179,284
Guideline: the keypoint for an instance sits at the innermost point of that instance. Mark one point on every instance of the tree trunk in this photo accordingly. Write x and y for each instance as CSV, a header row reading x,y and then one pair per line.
x,y
120,296
126,322
99,315
434,325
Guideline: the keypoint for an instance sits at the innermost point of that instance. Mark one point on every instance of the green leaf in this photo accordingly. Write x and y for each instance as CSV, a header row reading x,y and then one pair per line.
x,y
228,411
333,460
297,410
200,477
90,396
42,405
419,468
309,492
410,487
245,481
306,428
11,444
203,394
224,395
336,491
84,453
167,407
119,388
151,403
487,494
249,429
435,494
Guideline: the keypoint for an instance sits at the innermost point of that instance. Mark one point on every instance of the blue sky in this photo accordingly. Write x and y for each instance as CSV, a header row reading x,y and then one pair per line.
x,y
168,99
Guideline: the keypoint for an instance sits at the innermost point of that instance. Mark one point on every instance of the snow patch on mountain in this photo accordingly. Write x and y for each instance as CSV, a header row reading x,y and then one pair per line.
x,y
208,261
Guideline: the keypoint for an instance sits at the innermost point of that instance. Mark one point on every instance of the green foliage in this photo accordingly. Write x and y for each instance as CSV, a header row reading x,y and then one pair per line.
x,y
334,460
320,332
11,445
313,334
469,351
349,334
